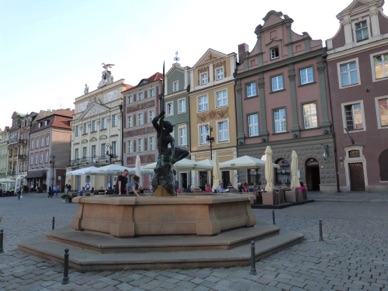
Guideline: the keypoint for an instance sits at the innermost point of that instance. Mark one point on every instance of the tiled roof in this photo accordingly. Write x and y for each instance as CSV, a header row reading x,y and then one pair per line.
x,y
62,122
155,77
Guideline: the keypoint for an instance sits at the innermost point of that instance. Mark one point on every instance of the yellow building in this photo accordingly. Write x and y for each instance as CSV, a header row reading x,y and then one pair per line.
x,y
212,114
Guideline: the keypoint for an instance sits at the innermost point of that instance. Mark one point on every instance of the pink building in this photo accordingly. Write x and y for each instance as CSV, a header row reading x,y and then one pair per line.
x,y
357,58
282,101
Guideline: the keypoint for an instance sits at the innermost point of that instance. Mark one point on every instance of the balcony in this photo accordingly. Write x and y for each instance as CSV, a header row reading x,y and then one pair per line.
x,y
99,160
22,157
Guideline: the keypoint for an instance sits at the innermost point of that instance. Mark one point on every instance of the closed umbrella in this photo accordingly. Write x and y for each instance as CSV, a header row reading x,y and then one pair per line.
x,y
294,170
268,169
138,167
216,173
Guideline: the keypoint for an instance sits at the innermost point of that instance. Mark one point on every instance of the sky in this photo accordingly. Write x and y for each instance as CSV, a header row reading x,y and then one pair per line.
x,y
49,49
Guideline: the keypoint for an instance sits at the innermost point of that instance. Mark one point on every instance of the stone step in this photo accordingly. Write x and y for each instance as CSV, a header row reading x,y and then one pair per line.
x,y
237,254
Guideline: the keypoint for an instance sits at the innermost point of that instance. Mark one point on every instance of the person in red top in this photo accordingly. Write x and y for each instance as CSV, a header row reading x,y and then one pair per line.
x,y
207,188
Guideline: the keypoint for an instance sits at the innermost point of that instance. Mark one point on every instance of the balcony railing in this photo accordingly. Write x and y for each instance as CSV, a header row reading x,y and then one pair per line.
x,y
22,157
99,160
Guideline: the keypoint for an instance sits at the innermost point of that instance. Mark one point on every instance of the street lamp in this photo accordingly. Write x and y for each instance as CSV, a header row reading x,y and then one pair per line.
x,y
210,139
52,162
111,155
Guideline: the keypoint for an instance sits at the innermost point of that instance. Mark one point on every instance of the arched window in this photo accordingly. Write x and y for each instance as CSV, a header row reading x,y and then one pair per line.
x,y
383,161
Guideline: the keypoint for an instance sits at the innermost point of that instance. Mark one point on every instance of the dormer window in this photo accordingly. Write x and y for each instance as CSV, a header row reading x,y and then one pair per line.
x,y
274,53
46,122
204,78
361,30
175,86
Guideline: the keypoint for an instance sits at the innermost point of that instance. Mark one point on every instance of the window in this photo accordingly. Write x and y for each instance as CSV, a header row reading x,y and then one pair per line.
x,y
36,159
310,115
140,145
251,89
32,143
223,131
253,125
151,115
47,157
47,140
203,133
169,108
349,74
151,143
103,150
114,148
219,73
274,53
76,154
204,78
103,123
94,154
114,120
94,125
306,76
277,83
77,130
40,124
84,152
175,86
37,143
203,103
182,105
130,99
42,142
130,146
151,92
85,130
353,116
381,66
140,96
382,112
221,98
130,121
279,116
140,119
182,132
46,122
361,30
32,160
41,158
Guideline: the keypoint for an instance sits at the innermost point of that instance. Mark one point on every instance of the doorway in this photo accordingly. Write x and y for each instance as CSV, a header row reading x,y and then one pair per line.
x,y
356,175
225,178
183,180
313,179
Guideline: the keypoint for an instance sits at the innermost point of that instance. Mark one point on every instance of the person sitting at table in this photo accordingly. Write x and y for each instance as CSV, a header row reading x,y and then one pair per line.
x,y
101,191
188,189
240,187
219,188
301,187
207,188
245,187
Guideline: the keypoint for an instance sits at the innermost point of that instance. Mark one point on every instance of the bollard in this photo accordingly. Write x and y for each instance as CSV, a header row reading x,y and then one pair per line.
x,y
253,259
273,217
53,223
320,231
1,242
66,268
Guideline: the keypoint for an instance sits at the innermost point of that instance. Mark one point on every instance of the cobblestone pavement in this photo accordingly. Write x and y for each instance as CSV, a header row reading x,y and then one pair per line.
x,y
352,256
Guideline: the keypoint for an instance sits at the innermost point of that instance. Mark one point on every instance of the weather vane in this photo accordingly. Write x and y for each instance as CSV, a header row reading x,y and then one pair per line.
x,y
176,58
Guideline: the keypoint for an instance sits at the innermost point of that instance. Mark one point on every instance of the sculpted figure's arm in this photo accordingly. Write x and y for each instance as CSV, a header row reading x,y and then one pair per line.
x,y
156,119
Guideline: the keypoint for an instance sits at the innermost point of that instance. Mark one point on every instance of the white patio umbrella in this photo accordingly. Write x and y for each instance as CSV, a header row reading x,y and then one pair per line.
x,y
268,169
294,170
5,180
216,173
186,164
107,170
82,171
138,168
242,162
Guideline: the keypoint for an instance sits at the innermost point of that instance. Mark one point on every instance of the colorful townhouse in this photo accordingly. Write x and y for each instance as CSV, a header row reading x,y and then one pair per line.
x,y
357,67
282,101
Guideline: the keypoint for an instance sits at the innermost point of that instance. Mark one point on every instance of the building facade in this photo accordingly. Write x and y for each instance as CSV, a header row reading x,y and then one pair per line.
x,y
49,149
357,59
282,101
176,106
97,133
212,114
4,136
18,142
141,105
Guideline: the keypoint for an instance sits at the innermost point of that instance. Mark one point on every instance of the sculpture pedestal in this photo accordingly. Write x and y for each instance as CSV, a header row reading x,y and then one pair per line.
x,y
129,217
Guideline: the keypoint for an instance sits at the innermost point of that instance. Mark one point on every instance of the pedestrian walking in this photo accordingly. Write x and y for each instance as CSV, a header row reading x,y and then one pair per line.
x,y
19,192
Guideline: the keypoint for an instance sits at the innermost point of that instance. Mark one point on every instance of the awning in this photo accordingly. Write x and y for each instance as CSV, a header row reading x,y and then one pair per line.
x,y
35,174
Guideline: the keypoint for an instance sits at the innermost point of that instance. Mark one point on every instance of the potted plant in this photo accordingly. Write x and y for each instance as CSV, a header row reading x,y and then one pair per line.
x,y
67,198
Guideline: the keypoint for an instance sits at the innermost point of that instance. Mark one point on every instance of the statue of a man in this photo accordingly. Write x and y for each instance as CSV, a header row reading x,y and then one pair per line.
x,y
164,128
86,90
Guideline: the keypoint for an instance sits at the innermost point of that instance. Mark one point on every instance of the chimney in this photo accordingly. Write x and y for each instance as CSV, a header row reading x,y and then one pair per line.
x,y
242,49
